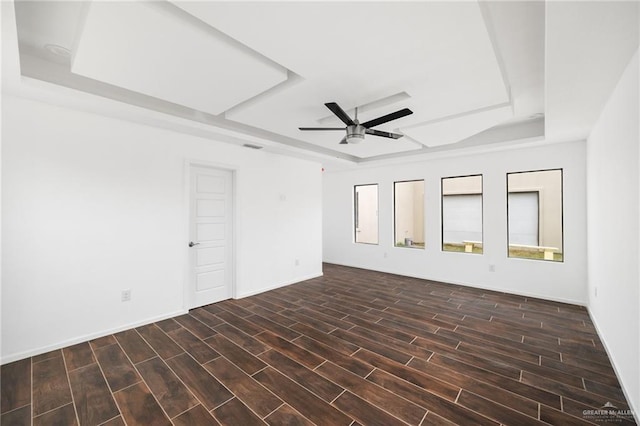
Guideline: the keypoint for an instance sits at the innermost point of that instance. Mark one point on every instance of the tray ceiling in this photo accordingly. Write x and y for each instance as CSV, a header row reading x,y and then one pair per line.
x,y
263,69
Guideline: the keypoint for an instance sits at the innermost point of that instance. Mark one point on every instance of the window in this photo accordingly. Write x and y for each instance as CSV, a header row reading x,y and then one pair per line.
x,y
534,212
462,214
366,213
408,199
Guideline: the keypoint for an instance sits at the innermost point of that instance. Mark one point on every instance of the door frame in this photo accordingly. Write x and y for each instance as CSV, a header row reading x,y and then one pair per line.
x,y
189,164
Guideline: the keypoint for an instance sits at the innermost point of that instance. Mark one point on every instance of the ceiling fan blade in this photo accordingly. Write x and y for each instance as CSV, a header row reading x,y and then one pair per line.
x,y
344,141
321,128
389,117
383,134
339,112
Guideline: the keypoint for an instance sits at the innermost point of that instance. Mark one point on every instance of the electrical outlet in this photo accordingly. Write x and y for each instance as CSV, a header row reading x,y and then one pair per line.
x,y
385,254
125,295
297,262
595,291
492,268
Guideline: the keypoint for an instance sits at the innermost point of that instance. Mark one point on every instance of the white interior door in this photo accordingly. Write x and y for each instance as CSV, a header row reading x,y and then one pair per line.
x,y
210,231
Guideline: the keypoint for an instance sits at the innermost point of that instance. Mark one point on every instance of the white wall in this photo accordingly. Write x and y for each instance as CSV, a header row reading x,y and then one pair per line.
x,y
563,281
93,205
613,158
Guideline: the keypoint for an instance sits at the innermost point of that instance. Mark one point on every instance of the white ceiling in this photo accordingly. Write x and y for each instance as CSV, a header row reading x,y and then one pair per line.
x,y
169,57
259,70
440,54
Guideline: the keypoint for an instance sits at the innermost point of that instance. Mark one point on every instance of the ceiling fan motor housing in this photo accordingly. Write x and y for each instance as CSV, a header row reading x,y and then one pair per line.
x,y
355,133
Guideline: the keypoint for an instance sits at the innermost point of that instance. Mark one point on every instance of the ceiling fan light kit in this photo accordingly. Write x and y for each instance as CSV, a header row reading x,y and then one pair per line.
x,y
355,130
355,134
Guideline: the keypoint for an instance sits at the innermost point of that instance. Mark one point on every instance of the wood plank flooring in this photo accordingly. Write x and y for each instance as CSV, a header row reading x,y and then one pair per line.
x,y
353,347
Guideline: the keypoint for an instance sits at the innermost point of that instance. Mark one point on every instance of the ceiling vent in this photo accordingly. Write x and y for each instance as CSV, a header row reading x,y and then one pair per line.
x,y
252,146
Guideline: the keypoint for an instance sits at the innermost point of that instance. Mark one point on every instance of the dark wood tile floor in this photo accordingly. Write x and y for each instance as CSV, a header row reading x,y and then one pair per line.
x,y
352,347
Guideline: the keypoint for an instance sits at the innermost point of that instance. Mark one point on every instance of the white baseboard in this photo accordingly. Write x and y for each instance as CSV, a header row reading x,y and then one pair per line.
x,y
634,409
467,284
63,344
282,284
44,349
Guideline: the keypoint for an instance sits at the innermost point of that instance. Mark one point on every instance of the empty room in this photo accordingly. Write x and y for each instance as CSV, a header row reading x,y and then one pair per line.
x,y
320,213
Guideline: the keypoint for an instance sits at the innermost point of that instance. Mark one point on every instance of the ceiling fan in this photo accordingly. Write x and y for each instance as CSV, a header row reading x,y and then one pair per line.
x,y
355,130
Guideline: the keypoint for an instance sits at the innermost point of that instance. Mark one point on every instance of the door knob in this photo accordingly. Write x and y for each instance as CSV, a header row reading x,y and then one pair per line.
x,y
191,244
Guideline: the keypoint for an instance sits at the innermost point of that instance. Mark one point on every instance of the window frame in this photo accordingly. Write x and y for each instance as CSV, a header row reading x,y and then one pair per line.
x,y
356,210
424,230
561,169
442,195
